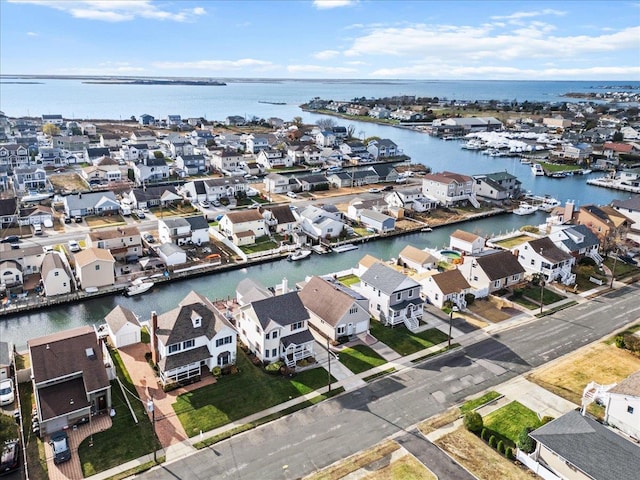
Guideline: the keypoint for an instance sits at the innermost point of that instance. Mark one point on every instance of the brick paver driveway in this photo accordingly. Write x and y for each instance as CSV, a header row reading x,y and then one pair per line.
x,y
168,426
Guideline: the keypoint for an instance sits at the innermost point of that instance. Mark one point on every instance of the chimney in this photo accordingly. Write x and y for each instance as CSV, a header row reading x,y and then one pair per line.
x,y
285,285
154,337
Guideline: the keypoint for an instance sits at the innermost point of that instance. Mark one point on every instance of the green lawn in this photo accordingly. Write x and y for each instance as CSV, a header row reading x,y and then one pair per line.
x,y
478,402
403,341
531,294
349,280
622,269
509,420
262,244
236,396
360,358
125,440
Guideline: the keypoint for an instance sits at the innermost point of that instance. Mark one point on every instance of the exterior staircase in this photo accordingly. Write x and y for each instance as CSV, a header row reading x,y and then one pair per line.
x,y
411,323
596,257
474,201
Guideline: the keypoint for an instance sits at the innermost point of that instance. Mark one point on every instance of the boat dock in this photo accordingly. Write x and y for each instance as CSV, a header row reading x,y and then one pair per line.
x,y
613,183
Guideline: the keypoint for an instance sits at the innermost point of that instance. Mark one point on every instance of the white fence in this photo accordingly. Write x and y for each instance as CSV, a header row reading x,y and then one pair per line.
x,y
534,466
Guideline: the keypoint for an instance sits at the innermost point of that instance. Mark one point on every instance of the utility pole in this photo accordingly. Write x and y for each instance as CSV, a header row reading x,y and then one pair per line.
x,y
150,408
329,369
453,309
541,292
613,270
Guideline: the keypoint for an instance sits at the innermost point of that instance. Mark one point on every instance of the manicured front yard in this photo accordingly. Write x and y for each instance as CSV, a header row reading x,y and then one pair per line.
x,y
249,391
478,402
262,245
349,280
360,358
403,341
529,297
125,440
509,420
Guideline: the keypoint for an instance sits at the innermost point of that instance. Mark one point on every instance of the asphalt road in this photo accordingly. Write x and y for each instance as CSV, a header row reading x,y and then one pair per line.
x,y
316,437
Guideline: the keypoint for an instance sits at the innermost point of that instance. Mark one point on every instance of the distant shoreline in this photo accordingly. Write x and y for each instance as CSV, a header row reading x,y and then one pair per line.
x,y
203,83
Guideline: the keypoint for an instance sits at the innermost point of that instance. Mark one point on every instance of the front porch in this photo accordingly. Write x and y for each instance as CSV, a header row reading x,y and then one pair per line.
x,y
297,347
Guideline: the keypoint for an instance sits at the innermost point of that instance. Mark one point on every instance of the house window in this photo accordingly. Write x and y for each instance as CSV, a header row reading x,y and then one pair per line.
x,y
533,262
630,409
174,348
55,274
296,325
398,296
97,267
258,328
353,310
514,277
266,336
266,354
496,284
410,293
274,352
340,330
224,341
188,344
274,334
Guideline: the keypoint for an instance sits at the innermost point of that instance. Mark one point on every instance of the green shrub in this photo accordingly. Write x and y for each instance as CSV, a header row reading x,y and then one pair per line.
x,y
546,419
274,367
509,453
492,441
469,298
517,292
484,434
525,442
216,371
619,340
500,447
473,422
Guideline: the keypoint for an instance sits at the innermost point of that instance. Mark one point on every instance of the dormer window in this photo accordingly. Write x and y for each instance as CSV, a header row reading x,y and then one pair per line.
x,y
196,320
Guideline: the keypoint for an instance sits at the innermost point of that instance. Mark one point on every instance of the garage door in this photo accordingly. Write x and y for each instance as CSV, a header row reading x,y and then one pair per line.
x,y
4,373
128,338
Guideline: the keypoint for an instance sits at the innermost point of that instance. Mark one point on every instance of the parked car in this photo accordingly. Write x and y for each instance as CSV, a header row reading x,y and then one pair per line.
x,y
74,246
374,190
60,445
77,219
216,203
10,239
291,195
37,229
204,204
628,259
149,238
10,457
387,188
66,219
7,393
141,215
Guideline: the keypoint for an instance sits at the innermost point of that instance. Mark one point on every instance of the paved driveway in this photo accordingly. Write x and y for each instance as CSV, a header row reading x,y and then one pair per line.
x,y
168,427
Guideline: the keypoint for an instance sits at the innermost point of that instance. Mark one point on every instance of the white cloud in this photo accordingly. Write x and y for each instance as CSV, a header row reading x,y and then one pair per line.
x,y
217,65
102,69
534,13
326,71
117,10
32,34
326,4
326,54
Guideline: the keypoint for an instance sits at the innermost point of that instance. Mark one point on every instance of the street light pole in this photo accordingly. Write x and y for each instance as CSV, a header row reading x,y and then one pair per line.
x,y
329,369
453,309
153,424
613,270
541,292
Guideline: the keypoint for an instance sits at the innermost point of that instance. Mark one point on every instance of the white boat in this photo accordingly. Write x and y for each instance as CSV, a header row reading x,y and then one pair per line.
x,y
138,288
537,170
525,209
345,248
525,161
426,229
548,204
472,145
299,255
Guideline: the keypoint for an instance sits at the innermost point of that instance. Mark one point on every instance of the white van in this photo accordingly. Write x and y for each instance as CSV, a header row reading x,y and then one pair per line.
x,y
37,229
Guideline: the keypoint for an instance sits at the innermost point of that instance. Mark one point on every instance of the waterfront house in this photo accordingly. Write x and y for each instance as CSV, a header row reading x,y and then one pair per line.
x,y
334,310
622,406
227,187
577,240
10,273
28,256
29,179
151,170
243,227
276,328
277,183
184,230
449,188
445,287
393,297
379,112
496,186
542,256
319,223
124,243
191,164
94,203
14,155
410,199
249,290
171,254
280,219
358,205
578,153
312,155
377,221
311,183
577,447
94,267
123,327
353,148
326,138
56,279
190,340
492,270
419,260
609,224
146,120
466,242
630,208
70,374
382,148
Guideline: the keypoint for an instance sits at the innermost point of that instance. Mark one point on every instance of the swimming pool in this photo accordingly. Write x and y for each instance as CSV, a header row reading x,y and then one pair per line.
x,y
451,255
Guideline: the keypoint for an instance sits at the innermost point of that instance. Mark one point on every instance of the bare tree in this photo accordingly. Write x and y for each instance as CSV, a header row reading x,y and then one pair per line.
x,y
326,123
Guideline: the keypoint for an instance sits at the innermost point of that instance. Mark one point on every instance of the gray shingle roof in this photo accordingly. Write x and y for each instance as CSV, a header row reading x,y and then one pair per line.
x,y
386,279
283,310
590,447
500,265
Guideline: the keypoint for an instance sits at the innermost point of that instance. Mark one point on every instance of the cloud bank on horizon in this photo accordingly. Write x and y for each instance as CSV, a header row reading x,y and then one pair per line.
x,y
374,39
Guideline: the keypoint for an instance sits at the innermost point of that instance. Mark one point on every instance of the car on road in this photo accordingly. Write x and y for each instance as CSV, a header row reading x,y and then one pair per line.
x,y
47,248
388,188
77,219
149,238
10,457
37,229
141,215
374,190
10,239
7,393
74,246
291,195
60,444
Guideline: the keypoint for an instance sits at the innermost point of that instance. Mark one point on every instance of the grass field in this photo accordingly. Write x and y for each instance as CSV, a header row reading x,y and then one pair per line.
x,y
236,396
481,460
472,404
601,363
509,420
360,358
403,341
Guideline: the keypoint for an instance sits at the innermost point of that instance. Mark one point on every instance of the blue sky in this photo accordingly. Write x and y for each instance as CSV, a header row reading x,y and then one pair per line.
x,y
376,39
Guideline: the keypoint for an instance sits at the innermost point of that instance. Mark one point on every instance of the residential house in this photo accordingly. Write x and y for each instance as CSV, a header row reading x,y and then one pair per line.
x,y
243,227
52,157
270,158
28,179
358,205
622,406
280,219
180,147
377,221
88,129
358,110
14,155
319,223
28,260
106,170
10,273
150,197
492,270
191,164
406,115
466,242
630,208
542,256
448,287
173,120
190,340
383,148
312,183
70,374
184,230
577,240
353,178
353,149
134,152
257,143
56,279
213,189
35,214
146,120
578,153
143,136
410,199
365,263
234,120
419,260
497,186
276,328
54,119
94,267
249,290
393,297
557,122
449,188
171,254
577,447
94,203
152,170
608,223
73,143
379,112
225,159
326,139
4,178
92,154
277,183
386,172
123,327
124,243
6,359
110,140
312,155
201,138
340,132
334,310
